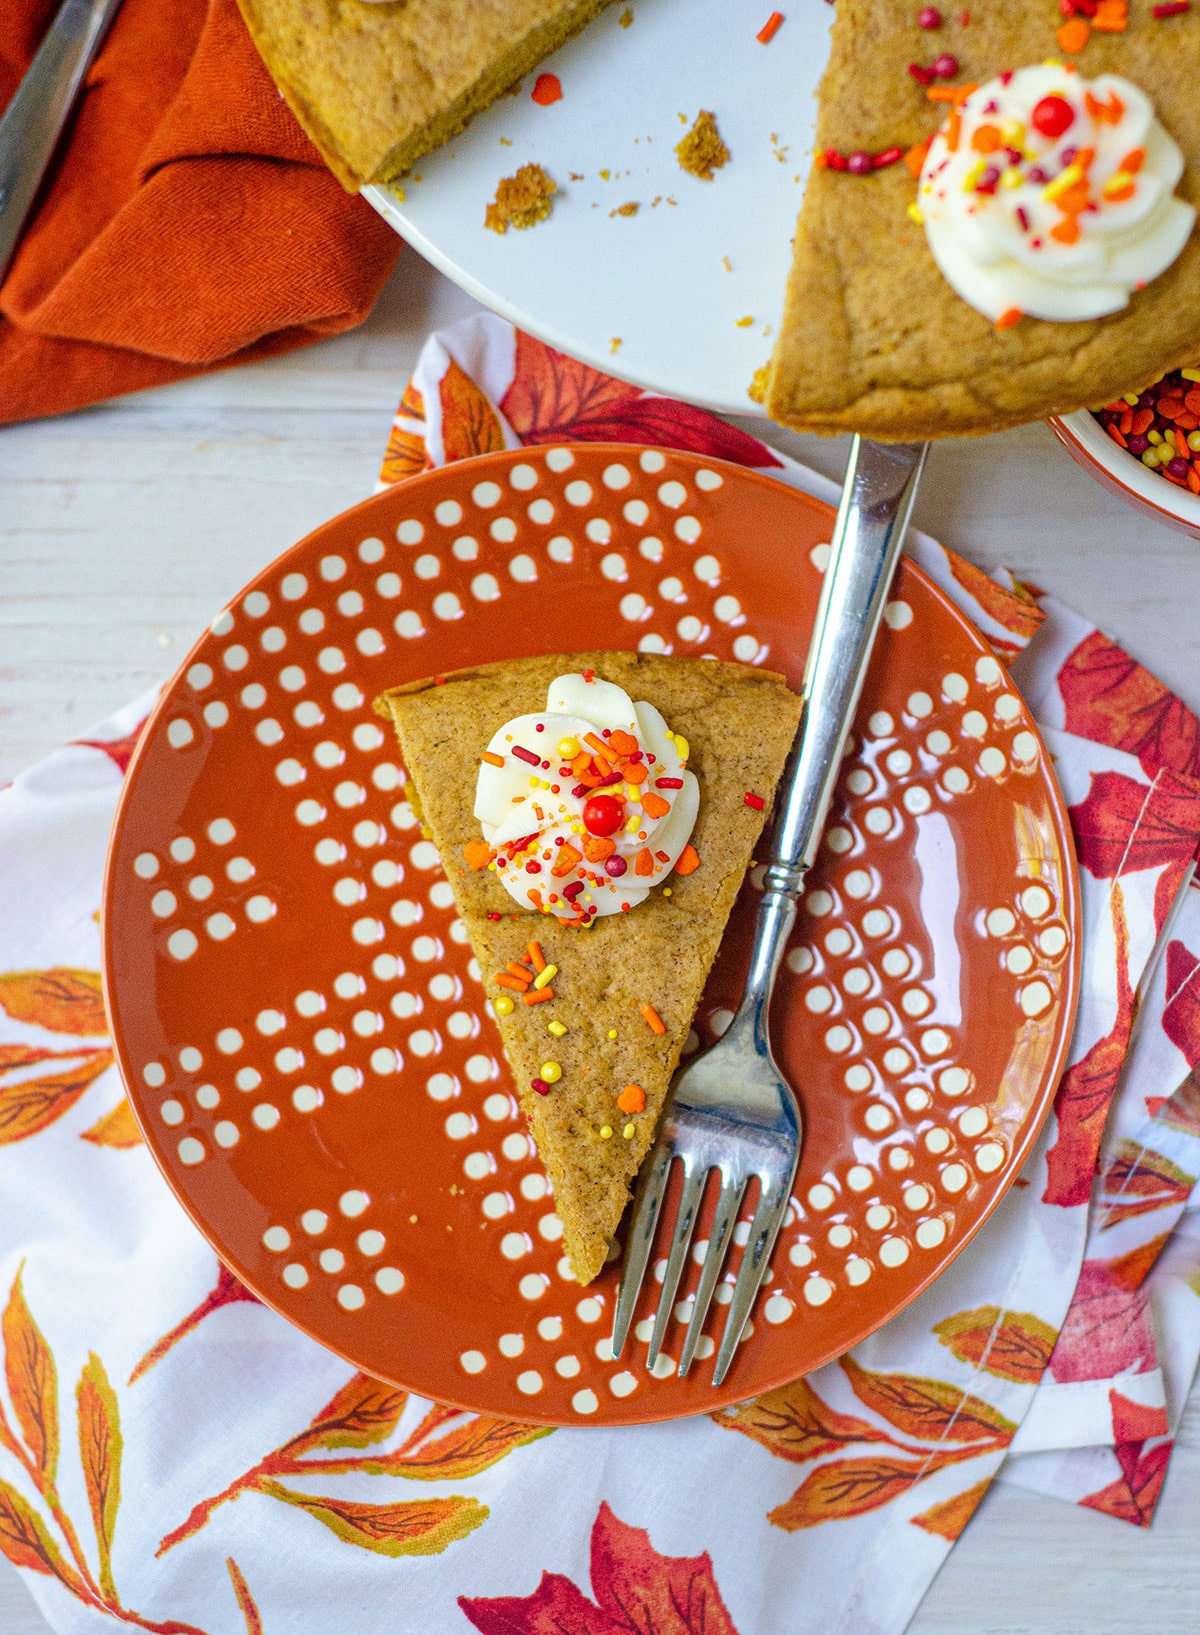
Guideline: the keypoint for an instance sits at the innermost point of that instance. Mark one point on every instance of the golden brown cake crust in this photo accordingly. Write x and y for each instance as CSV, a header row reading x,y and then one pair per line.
x,y
375,86
739,723
874,339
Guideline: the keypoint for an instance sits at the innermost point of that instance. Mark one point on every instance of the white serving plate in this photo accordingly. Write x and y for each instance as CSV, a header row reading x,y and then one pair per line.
x,y
657,281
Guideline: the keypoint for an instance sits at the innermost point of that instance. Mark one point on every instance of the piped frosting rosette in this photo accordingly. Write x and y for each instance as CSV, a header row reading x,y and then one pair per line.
x,y
587,807
1051,195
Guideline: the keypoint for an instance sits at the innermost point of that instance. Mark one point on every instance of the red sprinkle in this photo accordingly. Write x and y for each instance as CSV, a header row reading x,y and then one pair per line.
x,y
668,783
889,156
770,28
494,916
540,1085
756,801
526,755
1175,8
547,89
929,17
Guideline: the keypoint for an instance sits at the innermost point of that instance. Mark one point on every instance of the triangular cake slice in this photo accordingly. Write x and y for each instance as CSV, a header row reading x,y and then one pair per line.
x,y
627,984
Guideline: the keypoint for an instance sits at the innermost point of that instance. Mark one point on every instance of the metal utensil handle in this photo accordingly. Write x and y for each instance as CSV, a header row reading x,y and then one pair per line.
x,y
34,119
881,483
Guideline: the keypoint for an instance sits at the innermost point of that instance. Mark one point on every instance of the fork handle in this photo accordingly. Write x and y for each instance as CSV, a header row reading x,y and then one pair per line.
x,y
34,119
877,497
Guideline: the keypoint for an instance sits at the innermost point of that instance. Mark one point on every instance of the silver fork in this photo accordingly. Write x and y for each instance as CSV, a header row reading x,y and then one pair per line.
x,y
731,1110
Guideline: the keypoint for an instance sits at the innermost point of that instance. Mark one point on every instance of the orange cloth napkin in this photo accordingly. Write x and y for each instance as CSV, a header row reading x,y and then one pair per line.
x,y
187,223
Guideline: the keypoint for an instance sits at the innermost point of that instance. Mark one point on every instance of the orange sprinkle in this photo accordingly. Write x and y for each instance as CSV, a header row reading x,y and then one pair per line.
x,y
987,139
581,764
688,861
505,981
953,131
653,1020
477,854
1118,188
1112,17
597,744
1133,161
492,760
598,847
1073,35
1007,319
654,805
1066,231
635,772
915,157
516,970
644,862
537,996
536,958
622,742
770,28
632,1099
563,864
940,93
547,89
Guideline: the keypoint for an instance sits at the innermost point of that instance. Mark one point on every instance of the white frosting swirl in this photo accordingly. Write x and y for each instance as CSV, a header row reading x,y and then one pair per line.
x,y
1064,224
531,806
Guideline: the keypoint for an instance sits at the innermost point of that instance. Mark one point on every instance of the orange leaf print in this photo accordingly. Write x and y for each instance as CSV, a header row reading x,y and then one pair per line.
x,y
1138,1181
1133,1421
929,1409
1012,1345
100,1455
1086,1089
118,1128
404,456
1017,614
28,1106
852,1487
62,1000
245,1600
794,1423
949,1518
469,423
364,1411
32,1381
465,1451
1109,698
415,1527
26,1541
1181,1109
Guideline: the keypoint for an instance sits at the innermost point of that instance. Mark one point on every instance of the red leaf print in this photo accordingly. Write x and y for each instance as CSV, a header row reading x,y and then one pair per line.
x,y
1181,1013
553,398
119,750
1123,825
1181,1109
1138,1181
1133,1496
1108,1328
1133,1422
1109,698
1082,1100
637,1591
227,1292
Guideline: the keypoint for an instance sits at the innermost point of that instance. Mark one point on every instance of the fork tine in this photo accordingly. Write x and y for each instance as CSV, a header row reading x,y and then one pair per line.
x,y
768,1217
692,1192
640,1239
728,1204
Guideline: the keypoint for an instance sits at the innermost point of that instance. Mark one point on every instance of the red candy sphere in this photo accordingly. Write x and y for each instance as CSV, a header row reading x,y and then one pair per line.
x,y
602,815
1053,115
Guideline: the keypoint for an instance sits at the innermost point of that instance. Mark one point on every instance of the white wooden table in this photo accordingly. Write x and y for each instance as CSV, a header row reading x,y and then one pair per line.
x,y
125,528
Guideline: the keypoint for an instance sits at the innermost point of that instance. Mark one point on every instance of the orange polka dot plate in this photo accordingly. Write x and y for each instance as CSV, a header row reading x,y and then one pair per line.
x,y
301,1024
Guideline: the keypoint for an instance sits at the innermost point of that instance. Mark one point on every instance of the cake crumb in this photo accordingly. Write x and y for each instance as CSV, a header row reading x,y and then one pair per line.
x,y
575,175
744,323
604,175
630,208
757,389
614,346
521,200
726,263
626,17
504,142
702,151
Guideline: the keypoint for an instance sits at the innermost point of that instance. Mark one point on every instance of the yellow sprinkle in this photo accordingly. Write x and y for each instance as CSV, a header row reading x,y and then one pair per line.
x,y
1011,178
556,1028
502,1005
544,978
535,783
1154,436
681,747
568,748
1190,374
666,891
669,733
1062,182
629,1131
1014,133
915,213
612,1033
606,1132
632,824
1131,399
632,792
492,865
551,1072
